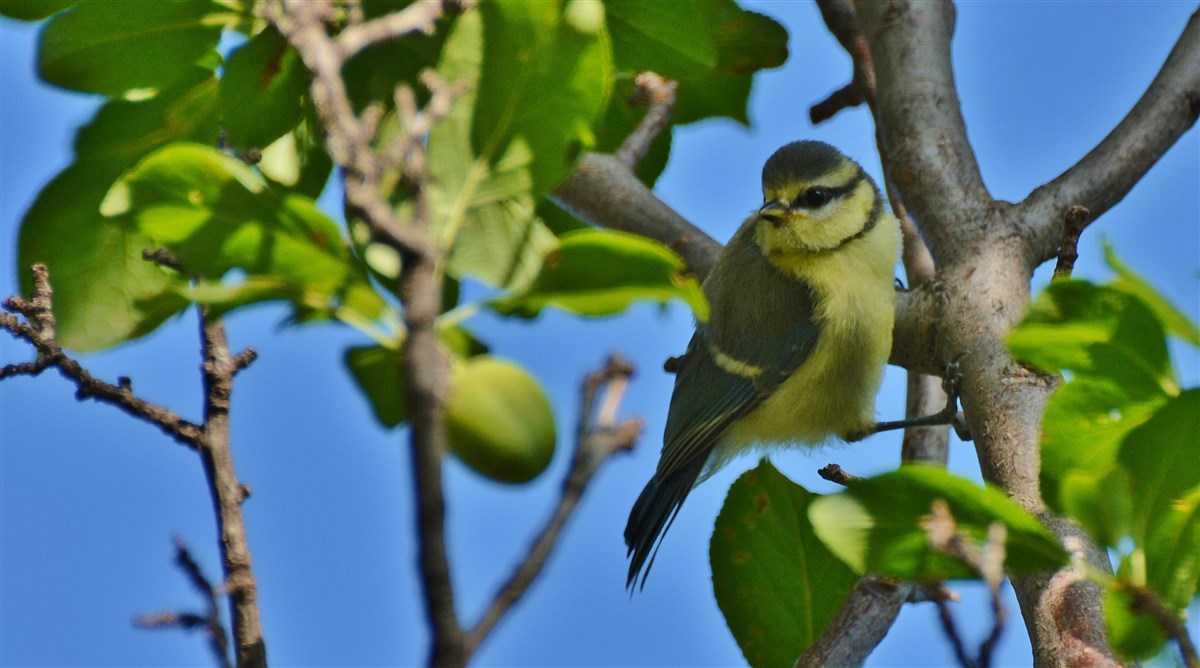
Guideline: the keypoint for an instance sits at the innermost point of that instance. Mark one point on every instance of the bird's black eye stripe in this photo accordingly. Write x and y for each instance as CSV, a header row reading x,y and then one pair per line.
x,y
818,196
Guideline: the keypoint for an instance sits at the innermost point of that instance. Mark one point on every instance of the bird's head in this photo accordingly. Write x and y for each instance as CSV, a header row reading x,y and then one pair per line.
x,y
815,200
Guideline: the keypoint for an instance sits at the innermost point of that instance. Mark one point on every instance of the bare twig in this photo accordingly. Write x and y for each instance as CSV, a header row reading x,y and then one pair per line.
x,y
597,438
1068,250
347,140
850,95
39,332
834,473
946,617
1147,602
210,621
423,364
418,17
987,560
840,18
218,371
658,96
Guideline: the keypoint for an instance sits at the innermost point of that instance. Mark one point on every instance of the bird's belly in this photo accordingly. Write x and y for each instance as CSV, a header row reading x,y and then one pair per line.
x,y
833,392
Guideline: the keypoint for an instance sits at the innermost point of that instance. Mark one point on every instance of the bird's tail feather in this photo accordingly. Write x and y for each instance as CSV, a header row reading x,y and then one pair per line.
x,y
652,515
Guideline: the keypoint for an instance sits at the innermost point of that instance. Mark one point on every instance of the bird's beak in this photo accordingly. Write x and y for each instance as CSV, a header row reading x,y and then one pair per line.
x,y
774,211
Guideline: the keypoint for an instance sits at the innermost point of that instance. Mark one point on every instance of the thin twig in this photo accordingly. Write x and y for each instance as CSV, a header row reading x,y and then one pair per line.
x,y
301,22
418,17
217,372
349,140
210,621
846,97
39,332
596,439
987,561
657,94
951,630
1147,602
834,473
1068,251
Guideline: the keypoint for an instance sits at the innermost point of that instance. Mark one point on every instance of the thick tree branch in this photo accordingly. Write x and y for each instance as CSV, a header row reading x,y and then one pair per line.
x,y
910,47
980,293
597,437
867,614
603,191
1168,108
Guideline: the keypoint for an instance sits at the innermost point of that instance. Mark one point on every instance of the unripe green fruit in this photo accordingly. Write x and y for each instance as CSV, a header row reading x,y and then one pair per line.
x,y
499,421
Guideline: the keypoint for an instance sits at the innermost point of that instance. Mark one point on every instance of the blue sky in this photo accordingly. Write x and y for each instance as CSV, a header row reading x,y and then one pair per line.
x,y
89,499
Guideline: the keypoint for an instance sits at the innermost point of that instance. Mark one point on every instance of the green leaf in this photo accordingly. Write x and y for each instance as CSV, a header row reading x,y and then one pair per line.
x,y
483,212
298,161
876,525
712,47
104,292
1134,636
746,43
216,214
1161,458
544,80
499,421
117,49
601,272
1131,283
129,130
33,10
777,584
1082,429
669,38
376,370
261,91
1173,552
1095,331
1103,505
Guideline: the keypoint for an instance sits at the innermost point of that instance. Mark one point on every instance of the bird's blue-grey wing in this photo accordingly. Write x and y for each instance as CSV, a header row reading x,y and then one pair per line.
x,y
732,365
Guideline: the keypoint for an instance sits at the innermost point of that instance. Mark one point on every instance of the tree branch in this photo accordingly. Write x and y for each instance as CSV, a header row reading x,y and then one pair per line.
x,y
597,438
418,17
981,291
227,493
39,332
1168,108
210,621
910,47
658,96
422,362
211,440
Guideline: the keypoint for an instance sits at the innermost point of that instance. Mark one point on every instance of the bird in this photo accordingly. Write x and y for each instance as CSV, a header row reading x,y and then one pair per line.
x,y
802,302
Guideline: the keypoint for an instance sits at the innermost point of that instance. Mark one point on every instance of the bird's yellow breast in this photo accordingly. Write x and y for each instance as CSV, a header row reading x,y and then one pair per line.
x,y
833,392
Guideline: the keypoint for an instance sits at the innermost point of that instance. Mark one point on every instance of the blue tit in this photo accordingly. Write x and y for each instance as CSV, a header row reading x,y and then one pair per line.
x,y
800,328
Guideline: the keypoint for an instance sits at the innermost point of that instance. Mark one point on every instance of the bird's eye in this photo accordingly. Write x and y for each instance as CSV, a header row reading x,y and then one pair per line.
x,y
814,198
